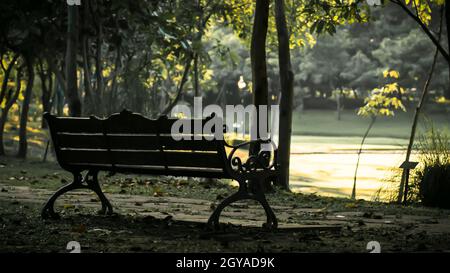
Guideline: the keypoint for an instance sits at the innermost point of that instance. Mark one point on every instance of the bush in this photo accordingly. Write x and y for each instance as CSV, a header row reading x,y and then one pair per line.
x,y
435,187
433,176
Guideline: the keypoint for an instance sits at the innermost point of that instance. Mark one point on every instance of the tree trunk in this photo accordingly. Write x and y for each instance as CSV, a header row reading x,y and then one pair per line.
x,y
372,122
287,91
184,79
23,144
402,192
89,104
259,65
197,111
99,68
114,84
71,62
3,119
11,99
46,90
196,80
447,23
51,88
338,104
7,73
88,101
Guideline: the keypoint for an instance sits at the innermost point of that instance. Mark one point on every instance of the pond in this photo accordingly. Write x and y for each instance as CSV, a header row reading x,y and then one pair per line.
x,y
326,165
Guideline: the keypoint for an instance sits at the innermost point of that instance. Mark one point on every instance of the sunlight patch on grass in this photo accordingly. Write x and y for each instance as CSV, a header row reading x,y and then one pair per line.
x,y
34,130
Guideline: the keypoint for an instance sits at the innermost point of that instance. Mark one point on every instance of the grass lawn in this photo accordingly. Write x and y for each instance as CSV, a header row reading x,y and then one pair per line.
x,y
325,123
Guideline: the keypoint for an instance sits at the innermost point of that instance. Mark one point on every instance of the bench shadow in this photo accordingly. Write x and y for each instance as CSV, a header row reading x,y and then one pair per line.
x,y
170,229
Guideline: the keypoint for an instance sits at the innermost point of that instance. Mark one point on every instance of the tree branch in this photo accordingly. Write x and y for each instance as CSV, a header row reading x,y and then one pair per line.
x,y
180,87
424,28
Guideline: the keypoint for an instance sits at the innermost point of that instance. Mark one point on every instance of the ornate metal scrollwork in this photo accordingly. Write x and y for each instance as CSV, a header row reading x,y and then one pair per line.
x,y
261,161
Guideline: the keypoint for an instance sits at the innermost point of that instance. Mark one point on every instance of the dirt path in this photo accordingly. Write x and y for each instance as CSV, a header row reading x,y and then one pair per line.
x,y
174,224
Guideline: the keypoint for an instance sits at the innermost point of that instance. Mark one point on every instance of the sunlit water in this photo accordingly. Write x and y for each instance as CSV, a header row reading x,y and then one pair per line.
x,y
326,165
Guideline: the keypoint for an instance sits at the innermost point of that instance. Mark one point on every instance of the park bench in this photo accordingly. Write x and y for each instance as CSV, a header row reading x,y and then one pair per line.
x,y
132,144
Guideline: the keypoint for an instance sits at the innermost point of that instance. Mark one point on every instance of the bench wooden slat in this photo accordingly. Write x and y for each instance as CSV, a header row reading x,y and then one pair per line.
x,y
186,145
82,141
149,158
77,125
110,157
133,142
165,125
197,159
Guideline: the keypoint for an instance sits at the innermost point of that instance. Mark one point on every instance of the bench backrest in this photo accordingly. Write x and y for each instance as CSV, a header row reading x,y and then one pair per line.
x,y
130,142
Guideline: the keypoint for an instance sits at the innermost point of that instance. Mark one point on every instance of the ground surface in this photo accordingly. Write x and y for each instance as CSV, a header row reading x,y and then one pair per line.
x,y
168,215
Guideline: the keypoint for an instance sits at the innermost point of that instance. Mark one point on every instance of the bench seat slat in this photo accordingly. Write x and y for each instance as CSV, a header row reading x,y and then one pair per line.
x,y
155,170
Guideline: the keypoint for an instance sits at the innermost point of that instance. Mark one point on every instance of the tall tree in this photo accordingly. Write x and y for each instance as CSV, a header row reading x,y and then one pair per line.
x,y
9,99
287,90
71,62
403,190
259,62
46,79
447,23
23,142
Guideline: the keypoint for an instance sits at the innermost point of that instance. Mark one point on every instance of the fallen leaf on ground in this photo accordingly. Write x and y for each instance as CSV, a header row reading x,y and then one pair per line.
x,y
68,206
79,229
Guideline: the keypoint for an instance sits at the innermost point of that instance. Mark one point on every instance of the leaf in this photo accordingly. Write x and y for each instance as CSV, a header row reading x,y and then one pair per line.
x,y
68,206
394,74
351,205
313,27
165,34
79,229
320,26
158,192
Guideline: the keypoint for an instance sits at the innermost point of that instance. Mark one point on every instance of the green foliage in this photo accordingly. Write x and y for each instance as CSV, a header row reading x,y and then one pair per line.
x,y
423,8
148,43
322,16
385,100
434,148
433,154
356,55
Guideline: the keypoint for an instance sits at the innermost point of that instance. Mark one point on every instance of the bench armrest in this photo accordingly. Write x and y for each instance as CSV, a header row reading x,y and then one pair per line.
x,y
262,160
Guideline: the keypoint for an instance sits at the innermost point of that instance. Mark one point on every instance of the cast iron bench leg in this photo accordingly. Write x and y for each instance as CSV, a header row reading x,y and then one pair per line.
x,y
272,222
242,194
214,218
48,211
90,181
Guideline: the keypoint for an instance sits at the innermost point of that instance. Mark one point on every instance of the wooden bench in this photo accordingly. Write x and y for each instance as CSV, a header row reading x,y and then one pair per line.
x,y
130,143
